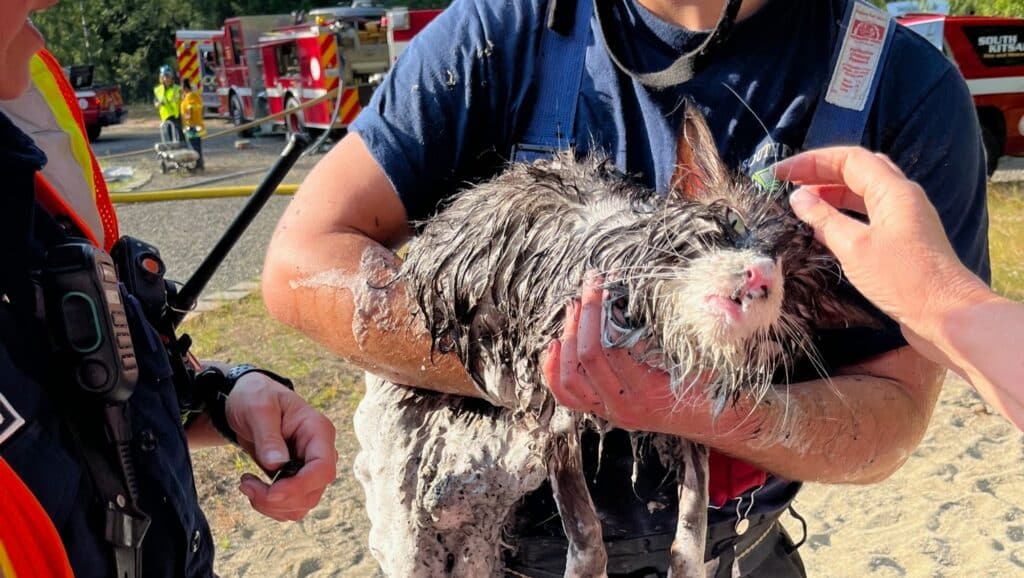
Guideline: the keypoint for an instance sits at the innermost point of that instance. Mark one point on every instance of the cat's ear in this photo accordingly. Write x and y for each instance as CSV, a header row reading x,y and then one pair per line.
x,y
699,170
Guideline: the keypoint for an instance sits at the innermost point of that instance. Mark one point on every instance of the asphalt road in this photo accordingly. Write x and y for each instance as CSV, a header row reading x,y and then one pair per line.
x,y
185,231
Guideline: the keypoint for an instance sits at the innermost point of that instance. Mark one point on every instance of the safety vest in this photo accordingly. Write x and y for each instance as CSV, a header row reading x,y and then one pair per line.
x,y
71,185
168,99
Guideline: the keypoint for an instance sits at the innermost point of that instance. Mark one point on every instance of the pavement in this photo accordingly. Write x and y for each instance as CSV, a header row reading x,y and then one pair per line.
x,y
185,231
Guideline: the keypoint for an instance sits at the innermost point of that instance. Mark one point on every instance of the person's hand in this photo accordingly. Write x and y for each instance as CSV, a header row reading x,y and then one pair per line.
x,y
901,259
612,383
268,419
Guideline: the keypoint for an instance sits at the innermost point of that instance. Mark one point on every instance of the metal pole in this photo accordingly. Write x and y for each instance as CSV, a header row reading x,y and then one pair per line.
x,y
188,296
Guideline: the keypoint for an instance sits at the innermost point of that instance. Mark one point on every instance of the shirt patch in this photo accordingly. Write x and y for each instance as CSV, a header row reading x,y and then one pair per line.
x,y
10,421
758,166
858,58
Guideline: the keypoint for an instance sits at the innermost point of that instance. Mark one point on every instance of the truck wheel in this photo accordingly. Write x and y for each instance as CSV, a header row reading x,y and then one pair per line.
x,y
237,114
992,150
294,123
93,132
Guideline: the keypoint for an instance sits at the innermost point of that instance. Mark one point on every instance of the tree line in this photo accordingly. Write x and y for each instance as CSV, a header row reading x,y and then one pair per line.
x,y
128,40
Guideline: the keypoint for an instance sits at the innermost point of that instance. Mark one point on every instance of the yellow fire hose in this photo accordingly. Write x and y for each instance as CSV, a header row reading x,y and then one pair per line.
x,y
195,194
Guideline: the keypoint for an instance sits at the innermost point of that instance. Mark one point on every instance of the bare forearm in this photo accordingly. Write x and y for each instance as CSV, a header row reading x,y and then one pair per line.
x,y
854,429
978,341
353,306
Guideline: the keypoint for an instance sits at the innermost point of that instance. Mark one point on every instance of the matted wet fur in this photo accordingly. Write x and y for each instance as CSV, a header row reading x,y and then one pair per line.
x,y
716,279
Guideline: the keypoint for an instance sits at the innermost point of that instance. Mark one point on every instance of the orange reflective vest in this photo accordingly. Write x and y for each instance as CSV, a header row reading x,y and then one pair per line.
x,y
29,544
71,184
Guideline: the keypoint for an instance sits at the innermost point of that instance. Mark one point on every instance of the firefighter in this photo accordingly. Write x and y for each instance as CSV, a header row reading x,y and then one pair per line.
x,y
192,120
167,99
72,448
446,117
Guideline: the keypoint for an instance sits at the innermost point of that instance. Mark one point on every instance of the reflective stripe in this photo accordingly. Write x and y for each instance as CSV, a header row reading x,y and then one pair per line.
x,y
1003,85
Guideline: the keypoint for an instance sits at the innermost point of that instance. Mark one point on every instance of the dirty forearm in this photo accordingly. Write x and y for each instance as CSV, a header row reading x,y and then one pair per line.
x,y
353,306
854,429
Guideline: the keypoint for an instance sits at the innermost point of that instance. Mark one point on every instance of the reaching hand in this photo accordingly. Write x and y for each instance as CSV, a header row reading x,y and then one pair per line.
x,y
901,259
268,419
586,376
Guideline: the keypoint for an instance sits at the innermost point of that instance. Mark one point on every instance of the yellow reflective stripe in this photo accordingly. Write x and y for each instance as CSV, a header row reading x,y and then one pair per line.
x,y
48,87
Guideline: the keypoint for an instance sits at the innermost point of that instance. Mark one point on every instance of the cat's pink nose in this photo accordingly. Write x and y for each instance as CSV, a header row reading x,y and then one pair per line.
x,y
760,278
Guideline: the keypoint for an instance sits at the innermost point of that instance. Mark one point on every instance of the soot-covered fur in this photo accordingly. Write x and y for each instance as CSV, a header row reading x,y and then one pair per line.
x,y
493,273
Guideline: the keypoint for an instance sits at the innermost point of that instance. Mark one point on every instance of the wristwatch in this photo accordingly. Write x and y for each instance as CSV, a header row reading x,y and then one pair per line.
x,y
214,386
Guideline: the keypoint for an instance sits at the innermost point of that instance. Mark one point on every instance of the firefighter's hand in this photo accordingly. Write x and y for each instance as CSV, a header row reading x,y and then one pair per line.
x,y
614,383
268,419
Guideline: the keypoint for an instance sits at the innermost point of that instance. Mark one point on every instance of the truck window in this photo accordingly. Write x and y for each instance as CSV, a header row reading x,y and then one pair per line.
x,y
997,45
237,53
287,59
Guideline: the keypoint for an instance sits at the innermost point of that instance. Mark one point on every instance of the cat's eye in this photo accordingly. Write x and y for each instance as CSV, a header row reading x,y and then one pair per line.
x,y
734,221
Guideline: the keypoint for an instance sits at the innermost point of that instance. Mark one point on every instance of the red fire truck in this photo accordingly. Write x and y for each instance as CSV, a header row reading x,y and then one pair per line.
x,y
338,47
989,52
240,78
200,56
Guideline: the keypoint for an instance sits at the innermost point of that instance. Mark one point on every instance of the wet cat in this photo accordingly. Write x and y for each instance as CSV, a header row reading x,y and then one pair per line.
x,y
716,279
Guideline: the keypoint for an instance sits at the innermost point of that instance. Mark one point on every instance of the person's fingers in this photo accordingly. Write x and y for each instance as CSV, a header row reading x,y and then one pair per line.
x,y
313,436
263,419
835,230
572,375
293,508
839,196
551,362
865,173
602,376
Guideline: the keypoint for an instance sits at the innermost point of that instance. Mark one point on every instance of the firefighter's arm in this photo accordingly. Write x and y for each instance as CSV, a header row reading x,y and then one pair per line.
x,y
857,427
330,268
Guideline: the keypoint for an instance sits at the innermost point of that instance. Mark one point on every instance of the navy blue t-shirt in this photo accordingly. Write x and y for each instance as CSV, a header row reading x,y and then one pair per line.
x,y
457,100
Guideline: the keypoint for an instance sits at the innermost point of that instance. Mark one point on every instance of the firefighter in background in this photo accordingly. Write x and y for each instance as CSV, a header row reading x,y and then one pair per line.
x,y
167,100
192,119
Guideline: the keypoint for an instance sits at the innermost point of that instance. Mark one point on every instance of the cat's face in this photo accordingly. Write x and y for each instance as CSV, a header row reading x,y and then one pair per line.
x,y
754,285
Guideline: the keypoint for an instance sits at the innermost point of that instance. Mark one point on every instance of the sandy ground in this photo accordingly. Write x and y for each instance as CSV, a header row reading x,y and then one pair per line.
x,y
954,510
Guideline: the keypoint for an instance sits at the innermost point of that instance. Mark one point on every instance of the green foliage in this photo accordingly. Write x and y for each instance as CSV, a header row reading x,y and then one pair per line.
x,y
1014,8
128,40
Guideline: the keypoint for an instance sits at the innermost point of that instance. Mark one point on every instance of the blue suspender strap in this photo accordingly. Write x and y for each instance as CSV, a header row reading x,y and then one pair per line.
x,y
857,62
557,85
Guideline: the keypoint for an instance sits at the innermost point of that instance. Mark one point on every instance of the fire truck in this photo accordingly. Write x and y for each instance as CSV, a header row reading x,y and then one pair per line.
x,y
333,48
989,52
240,77
200,56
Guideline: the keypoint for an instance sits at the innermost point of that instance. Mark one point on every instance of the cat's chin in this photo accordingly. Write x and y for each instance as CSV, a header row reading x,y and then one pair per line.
x,y
733,321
